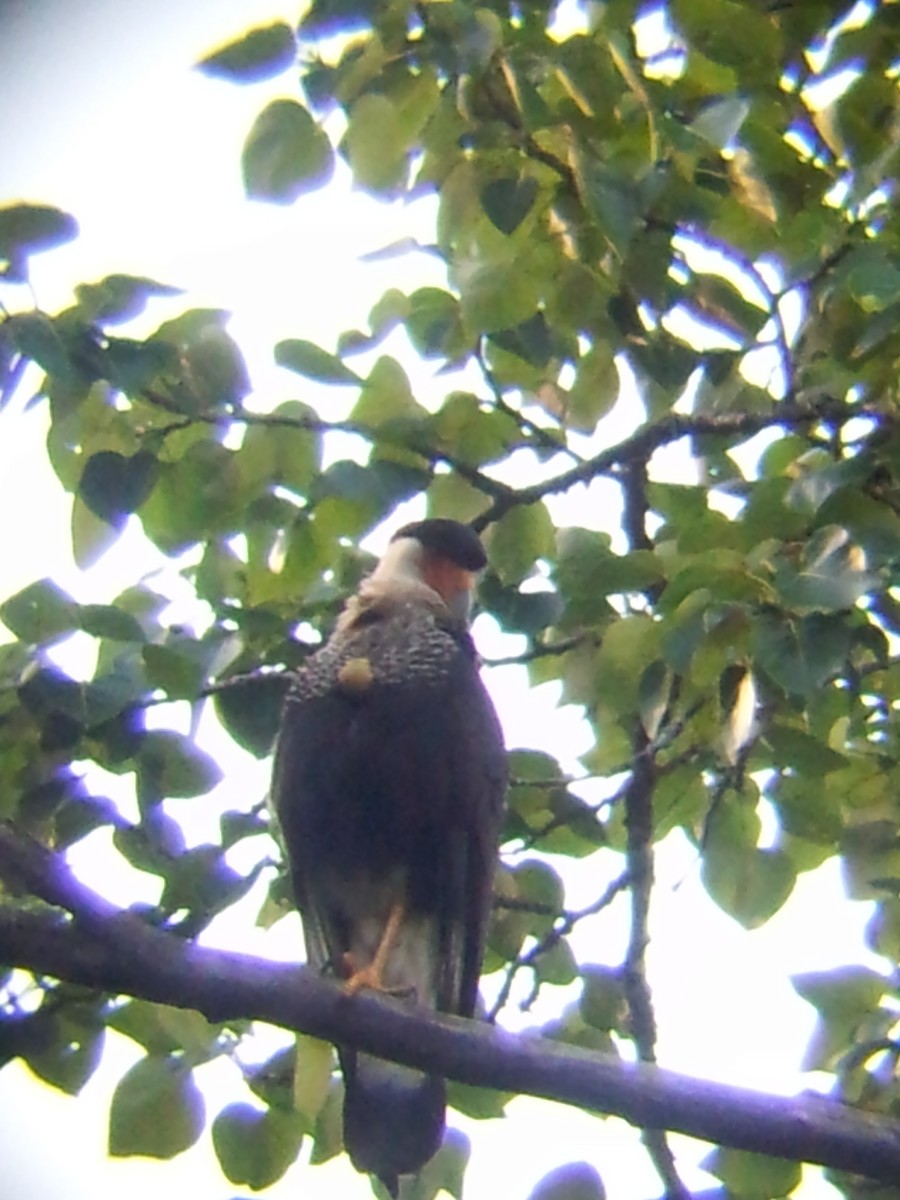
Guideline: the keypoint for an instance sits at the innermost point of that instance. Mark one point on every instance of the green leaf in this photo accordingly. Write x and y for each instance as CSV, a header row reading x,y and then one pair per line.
x,y
482,1104
360,496
162,1030
69,1048
571,1181
654,693
679,799
38,338
195,497
719,122
444,1172
800,655
312,1075
588,571
250,711
285,454
386,396
30,228
469,432
519,539
214,369
41,613
628,647
753,1175
108,621
609,197
259,54
530,340
286,154
376,141
540,885
798,749
119,297
328,1134
832,574
748,883
807,810
602,1004
273,1080
500,296
508,201
180,666
254,1146
307,359
157,1109
557,965
873,278
848,992
434,323
114,485
200,881
595,388
171,765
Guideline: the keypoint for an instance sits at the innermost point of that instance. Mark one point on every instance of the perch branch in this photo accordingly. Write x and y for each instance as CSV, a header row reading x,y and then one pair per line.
x,y
226,986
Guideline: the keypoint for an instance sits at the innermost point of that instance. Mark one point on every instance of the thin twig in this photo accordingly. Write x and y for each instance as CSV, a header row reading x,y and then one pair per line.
x,y
541,650
543,437
561,928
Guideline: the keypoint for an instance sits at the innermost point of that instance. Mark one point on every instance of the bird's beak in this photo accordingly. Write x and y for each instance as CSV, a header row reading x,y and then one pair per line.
x,y
460,604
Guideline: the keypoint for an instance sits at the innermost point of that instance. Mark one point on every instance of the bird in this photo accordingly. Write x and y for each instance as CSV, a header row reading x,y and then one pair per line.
x,y
389,783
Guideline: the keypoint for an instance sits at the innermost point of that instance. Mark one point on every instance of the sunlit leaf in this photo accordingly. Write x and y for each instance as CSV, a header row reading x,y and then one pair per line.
x,y
254,1146
306,358
157,1109
41,612
286,154
753,1174
29,228
259,54
171,765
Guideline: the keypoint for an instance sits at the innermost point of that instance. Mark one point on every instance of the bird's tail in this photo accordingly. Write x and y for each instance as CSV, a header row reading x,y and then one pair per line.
x,y
393,1117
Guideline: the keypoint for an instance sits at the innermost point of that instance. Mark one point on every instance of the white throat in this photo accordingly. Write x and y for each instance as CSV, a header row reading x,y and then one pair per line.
x,y
399,570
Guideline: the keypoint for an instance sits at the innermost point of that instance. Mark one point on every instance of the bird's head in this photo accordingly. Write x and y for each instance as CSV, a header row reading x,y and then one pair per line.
x,y
433,557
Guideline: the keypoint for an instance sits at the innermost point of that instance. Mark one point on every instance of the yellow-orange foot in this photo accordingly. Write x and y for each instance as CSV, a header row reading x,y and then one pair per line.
x,y
370,976
361,977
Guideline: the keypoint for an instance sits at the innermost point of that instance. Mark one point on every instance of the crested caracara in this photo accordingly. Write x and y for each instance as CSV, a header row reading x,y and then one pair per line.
x,y
389,782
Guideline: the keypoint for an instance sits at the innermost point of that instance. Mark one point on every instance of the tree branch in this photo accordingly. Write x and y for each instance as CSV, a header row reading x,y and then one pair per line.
x,y
641,445
493,488
227,986
639,826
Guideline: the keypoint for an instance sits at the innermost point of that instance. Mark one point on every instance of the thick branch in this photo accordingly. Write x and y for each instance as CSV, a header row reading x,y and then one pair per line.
x,y
229,986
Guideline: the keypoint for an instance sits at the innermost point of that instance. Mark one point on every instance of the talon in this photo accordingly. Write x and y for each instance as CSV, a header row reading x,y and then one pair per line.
x,y
370,976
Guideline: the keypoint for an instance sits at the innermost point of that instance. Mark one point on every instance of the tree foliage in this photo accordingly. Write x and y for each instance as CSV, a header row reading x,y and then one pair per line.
x,y
661,224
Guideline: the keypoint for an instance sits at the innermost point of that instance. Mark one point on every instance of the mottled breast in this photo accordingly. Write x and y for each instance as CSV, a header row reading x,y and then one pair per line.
x,y
405,645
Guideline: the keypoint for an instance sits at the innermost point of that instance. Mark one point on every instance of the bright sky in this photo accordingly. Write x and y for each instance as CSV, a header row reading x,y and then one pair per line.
x,y
112,125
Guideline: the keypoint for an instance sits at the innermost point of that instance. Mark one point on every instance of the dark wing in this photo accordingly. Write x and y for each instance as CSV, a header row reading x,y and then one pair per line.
x,y
395,793
476,779
390,792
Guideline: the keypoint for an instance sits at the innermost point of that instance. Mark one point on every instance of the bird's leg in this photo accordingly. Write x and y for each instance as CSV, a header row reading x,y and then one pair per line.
x,y
370,975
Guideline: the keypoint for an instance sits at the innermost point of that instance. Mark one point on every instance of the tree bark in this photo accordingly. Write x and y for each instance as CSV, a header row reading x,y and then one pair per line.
x,y
115,952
